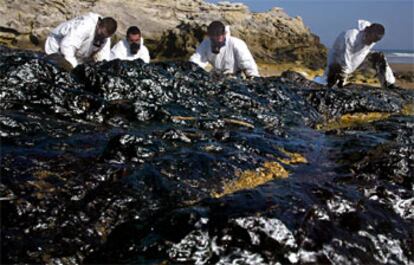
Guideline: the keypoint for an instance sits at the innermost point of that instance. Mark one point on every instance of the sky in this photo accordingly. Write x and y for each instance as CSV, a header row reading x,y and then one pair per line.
x,y
328,18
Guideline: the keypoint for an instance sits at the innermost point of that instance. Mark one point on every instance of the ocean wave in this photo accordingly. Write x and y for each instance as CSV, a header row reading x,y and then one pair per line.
x,y
400,54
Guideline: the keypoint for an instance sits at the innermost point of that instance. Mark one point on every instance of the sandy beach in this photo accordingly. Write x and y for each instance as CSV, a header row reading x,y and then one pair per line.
x,y
404,73
403,68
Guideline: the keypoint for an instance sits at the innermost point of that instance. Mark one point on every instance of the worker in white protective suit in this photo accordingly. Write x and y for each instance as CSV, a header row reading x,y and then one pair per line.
x,y
82,39
350,49
227,55
131,48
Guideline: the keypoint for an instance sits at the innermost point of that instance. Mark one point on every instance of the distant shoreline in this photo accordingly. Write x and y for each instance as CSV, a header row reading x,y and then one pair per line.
x,y
404,73
403,69
399,56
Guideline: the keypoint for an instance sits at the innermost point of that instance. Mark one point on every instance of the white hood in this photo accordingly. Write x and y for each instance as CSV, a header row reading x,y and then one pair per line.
x,y
227,31
363,24
121,51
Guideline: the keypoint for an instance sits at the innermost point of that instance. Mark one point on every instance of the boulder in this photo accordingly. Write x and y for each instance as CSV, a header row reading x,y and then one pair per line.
x,y
172,29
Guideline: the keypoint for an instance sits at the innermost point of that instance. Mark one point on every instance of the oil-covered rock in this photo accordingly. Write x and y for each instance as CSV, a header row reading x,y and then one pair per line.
x,y
126,162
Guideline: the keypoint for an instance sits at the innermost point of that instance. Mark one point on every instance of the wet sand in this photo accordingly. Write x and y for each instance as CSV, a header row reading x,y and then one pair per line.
x,y
404,74
402,67
267,70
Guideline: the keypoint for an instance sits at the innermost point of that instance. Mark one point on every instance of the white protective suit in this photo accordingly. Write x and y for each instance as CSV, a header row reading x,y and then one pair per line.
x,y
232,58
349,51
121,51
74,40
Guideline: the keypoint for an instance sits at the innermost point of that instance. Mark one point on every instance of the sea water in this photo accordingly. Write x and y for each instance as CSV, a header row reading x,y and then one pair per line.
x,y
400,56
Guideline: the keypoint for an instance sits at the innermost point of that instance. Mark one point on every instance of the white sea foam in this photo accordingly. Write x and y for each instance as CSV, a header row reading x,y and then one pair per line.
x,y
401,54
405,57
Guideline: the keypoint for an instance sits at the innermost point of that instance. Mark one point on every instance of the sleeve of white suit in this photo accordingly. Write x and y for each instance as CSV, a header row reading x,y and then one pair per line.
x,y
245,59
200,56
105,52
118,51
348,54
72,42
145,54
389,75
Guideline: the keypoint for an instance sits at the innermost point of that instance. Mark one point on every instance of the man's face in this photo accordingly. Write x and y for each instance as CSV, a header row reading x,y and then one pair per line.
x,y
217,38
101,34
217,41
134,38
371,37
134,41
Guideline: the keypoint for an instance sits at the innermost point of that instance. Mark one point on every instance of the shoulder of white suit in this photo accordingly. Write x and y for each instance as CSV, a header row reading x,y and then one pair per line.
x,y
93,15
236,41
351,34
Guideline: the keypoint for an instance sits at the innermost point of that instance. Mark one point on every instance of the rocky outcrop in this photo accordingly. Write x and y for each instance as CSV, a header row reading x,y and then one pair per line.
x,y
172,28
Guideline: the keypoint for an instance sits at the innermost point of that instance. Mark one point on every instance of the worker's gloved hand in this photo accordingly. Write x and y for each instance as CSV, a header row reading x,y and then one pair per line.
x,y
336,76
245,75
227,74
90,59
216,75
250,77
377,57
60,61
393,86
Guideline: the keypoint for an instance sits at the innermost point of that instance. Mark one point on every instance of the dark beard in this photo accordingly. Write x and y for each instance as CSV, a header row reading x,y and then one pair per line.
x,y
216,46
134,48
98,43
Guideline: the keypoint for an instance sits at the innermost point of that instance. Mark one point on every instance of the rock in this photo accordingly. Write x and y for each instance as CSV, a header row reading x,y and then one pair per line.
x,y
126,162
172,29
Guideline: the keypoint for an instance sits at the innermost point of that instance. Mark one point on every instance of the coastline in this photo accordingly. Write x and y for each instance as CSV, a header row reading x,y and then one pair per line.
x,y
404,73
402,67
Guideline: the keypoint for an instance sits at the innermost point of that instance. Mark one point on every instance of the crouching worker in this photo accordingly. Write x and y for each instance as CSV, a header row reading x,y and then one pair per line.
x,y
131,48
227,55
82,39
350,49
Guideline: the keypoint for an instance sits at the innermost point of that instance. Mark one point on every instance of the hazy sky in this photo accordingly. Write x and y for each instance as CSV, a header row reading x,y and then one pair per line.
x,y
327,18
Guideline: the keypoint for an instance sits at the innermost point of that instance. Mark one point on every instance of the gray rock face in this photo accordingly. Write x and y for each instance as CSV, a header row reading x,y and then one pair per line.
x,y
172,29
